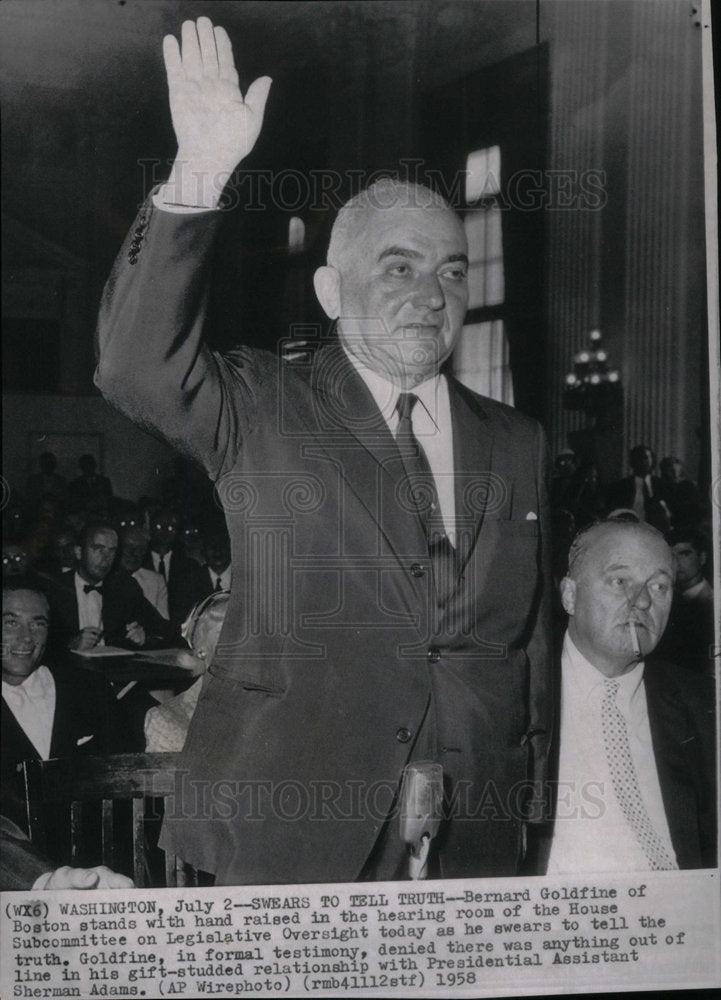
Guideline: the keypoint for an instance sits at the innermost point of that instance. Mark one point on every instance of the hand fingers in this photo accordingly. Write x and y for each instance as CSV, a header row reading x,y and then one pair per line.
x,y
208,54
108,879
85,878
226,63
192,62
171,57
257,95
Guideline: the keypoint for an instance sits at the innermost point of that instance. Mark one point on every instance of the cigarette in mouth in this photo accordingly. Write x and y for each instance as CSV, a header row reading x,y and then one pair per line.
x,y
634,638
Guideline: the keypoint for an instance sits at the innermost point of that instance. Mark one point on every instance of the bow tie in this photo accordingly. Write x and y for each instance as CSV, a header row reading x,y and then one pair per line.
x,y
92,586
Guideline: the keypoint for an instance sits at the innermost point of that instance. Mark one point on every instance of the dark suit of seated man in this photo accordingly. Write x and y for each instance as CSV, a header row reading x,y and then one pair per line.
x,y
47,711
97,604
635,767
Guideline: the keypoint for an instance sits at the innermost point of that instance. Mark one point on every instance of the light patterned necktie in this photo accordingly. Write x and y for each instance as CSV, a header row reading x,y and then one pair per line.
x,y
625,781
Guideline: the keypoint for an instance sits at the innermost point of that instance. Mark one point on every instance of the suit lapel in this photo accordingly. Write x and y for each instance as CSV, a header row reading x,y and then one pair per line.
x,y
352,430
67,599
472,458
669,735
15,741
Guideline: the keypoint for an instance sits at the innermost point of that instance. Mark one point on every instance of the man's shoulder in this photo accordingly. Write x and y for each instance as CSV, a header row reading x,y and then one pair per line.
x,y
492,409
679,684
119,584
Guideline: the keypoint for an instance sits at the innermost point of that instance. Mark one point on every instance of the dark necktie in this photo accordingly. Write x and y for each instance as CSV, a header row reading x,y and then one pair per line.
x,y
161,566
218,584
92,586
422,492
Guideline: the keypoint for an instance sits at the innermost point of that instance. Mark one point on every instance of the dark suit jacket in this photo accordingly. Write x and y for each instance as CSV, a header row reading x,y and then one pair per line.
x,y
84,707
622,492
186,585
681,713
20,864
123,603
334,654
206,582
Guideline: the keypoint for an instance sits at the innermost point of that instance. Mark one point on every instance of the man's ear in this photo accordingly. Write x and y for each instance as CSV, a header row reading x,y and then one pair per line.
x,y
702,558
78,552
326,282
568,595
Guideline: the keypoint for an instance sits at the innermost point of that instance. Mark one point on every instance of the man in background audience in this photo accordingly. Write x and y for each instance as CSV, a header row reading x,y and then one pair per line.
x,y
90,489
681,495
217,572
62,552
165,556
47,482
642,491
689,638
99,605
133,548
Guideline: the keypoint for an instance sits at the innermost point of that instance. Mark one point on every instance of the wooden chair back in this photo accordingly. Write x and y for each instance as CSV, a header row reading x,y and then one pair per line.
x,y
91,785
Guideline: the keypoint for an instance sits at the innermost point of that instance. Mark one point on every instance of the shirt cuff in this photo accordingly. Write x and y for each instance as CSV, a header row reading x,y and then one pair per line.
x,y
174,207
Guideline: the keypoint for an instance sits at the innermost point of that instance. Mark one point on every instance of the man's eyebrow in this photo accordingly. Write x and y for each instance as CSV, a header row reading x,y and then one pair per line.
x,y
617,566
398,251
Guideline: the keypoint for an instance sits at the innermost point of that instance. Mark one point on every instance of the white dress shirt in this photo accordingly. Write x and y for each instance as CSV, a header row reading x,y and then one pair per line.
x,y
90,606
154,588
225,577
166,562
641,495
432,428
591,832
33,705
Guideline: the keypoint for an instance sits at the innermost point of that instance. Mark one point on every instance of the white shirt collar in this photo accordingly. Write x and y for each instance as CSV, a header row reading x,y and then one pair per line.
x,y
33,705
36,685
156,557
698,588
225,576
385,393
585,677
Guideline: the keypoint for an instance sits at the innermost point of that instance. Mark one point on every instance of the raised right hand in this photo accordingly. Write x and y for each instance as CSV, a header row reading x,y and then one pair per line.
x,y
213,124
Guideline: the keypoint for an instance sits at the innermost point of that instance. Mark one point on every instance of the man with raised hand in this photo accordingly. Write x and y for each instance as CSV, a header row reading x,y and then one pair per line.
x,y
388,529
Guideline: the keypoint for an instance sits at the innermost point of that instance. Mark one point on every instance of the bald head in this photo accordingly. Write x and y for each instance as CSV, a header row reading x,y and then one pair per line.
x,y
383,195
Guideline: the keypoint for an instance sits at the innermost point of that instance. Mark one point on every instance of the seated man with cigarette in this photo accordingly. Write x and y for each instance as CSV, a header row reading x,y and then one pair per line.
x,y
636,754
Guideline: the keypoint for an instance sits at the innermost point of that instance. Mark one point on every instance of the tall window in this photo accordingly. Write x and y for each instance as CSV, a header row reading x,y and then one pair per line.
x,y
481,356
